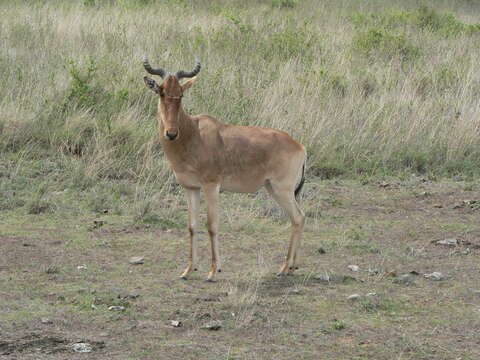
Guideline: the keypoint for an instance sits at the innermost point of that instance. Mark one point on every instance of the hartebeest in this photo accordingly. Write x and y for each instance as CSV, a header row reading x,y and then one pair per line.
x,y
207,154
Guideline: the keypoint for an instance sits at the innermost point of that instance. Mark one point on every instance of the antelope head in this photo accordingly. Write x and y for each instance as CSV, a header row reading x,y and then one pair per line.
x,y
170,92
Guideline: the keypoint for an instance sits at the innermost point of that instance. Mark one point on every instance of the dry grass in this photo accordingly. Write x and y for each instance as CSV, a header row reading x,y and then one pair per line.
x,y
365,93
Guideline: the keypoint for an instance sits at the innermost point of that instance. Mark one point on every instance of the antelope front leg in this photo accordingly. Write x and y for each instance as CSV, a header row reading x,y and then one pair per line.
x,y
212,195
193,198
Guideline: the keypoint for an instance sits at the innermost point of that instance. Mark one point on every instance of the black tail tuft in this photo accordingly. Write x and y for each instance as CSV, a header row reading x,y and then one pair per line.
x,y
300,185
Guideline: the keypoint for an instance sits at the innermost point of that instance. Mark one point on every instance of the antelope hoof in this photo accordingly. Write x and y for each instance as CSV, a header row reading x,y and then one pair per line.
x,y
283,270
185,274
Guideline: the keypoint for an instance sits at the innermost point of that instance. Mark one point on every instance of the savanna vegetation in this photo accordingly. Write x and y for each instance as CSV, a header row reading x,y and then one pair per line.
x,y
384,95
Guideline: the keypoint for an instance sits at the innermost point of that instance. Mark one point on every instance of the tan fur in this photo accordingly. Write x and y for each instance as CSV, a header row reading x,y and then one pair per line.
x,y
210,155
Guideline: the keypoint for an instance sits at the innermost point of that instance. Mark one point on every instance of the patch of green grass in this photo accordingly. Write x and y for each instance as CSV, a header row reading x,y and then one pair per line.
x,y
374,304
38,203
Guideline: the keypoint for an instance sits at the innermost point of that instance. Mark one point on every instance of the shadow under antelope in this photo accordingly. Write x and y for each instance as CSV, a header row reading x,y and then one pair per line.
x,y
207,154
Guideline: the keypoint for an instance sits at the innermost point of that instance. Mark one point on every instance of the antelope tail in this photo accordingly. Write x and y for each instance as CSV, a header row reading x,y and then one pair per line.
x,y
302,181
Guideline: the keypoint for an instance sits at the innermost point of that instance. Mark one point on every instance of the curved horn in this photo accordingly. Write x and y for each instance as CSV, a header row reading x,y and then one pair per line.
x,y
180,74
160,72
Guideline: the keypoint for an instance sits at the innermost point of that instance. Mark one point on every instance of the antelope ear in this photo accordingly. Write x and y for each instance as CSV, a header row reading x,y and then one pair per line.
x,y
151,84
187,84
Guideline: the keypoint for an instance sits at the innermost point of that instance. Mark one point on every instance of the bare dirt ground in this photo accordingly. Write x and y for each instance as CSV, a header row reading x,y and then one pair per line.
x,y
59,274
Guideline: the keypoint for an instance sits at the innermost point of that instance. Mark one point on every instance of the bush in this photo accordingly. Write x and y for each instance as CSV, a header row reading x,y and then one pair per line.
x,y
378,41
425,18
444,24
291,42
284,3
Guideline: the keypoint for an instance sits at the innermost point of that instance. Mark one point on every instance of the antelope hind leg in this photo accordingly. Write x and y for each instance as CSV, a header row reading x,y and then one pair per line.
x,y
284,196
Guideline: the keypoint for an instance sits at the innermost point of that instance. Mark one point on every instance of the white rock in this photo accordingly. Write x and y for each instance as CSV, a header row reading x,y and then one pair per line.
x,y
175,323
371,294
447,242
136,260
82,347
353,267
437,276
82,267
354,297
116,308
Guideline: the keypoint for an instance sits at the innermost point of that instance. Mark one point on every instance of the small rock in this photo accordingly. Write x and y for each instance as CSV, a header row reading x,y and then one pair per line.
x,y
353,267
176,323
354,297
371,294
405,279
82,267
213,325
437,276
321,251
82,347
116,308
136,260
46,321
438,206
447,242
324,278
384,184
422,194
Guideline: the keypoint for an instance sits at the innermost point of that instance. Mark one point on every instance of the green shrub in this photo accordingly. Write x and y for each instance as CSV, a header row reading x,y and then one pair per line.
x,y
443,24
284,3
82,91
380,42
291,42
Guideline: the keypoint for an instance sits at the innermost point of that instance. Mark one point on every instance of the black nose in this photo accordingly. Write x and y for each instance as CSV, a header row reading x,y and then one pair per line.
x,y
172,136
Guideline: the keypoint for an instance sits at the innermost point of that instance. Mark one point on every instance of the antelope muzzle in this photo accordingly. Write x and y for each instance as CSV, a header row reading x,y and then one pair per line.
x,y
171,134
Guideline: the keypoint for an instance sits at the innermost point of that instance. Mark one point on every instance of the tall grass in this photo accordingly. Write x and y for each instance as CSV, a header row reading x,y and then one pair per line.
x,y
367,86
